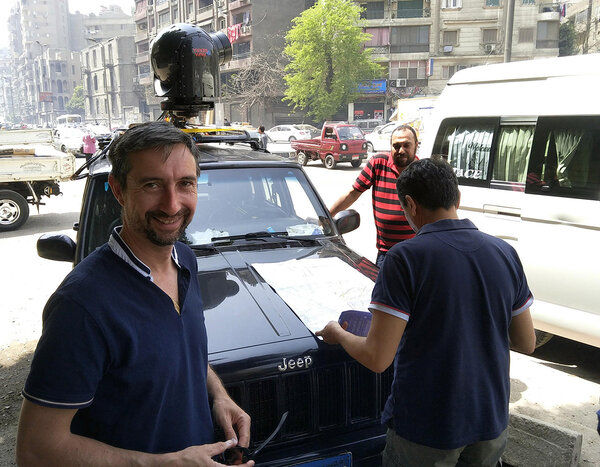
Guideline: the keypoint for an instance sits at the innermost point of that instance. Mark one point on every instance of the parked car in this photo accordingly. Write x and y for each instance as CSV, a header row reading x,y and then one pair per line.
x,y
380,138
69,139
528,165
367,125
267,248
288,133
313,130
339,142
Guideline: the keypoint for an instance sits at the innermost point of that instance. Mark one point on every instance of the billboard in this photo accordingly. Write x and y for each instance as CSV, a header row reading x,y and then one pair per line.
x,y
375,86
45,97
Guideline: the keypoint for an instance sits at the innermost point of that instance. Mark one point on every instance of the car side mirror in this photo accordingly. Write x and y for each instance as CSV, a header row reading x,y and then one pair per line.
x,y
57,247
347,220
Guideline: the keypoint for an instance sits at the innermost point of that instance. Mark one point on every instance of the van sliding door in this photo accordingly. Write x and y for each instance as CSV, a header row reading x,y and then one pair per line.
x,y
559,243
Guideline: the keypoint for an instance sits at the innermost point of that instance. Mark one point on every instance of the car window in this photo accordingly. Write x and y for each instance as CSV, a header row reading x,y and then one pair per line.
x,y
350,132
244,200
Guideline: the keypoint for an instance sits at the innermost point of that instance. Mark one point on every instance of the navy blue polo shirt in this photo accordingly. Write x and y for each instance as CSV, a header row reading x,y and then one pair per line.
x,y
458,289
114,347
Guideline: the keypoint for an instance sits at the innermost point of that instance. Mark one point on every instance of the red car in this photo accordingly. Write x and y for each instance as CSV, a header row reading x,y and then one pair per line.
x,y
339,142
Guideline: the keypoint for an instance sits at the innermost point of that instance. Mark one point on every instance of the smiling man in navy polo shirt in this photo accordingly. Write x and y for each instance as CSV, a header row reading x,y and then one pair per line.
x,y
120,375
445,308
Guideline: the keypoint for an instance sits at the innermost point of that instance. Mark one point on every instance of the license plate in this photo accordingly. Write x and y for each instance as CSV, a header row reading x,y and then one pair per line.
x,y
355,157
341,460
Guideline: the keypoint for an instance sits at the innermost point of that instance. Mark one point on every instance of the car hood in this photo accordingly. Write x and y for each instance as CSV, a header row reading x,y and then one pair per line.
x,y
245,290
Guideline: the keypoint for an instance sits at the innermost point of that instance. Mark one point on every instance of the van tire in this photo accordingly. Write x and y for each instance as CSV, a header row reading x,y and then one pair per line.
x,y
542,338
302,158
370,147
329,161
356,164
14,210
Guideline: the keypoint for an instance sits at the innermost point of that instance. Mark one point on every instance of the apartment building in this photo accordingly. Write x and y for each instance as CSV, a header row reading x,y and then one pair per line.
x,y
585,15
422,43
112,96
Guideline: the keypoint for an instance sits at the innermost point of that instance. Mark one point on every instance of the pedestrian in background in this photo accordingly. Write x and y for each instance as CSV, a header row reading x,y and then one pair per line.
x,y
120,375
263,138
89,145
380,173
446,307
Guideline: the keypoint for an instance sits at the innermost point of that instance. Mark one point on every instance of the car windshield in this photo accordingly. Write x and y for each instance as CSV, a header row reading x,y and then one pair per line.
x,y
350,132
242,201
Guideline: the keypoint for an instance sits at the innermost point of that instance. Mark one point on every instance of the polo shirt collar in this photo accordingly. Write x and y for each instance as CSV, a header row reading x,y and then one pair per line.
x,y
122,250
391,165
446,225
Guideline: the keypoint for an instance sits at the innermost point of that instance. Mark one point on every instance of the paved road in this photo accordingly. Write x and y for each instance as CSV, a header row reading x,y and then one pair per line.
x,y
560,383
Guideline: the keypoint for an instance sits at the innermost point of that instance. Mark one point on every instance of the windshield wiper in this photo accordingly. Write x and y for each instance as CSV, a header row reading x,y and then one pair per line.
x,y
262,235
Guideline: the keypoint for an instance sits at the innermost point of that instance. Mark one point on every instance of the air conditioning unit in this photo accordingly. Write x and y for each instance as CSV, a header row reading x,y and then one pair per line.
x,y
245,29
489,48
448,49
398,83
220,4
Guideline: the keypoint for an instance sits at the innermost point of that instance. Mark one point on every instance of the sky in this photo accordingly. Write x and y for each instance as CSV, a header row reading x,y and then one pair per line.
x,y
83,6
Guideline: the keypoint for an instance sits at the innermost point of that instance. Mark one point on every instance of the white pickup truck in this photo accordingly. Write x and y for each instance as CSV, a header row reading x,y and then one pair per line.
x,y
30,168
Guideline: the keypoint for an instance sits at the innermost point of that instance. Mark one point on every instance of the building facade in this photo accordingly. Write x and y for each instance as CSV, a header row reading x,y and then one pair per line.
x,y
110,83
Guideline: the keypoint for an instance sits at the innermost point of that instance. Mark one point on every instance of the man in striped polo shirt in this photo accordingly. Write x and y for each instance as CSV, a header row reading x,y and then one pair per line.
x,y
381,172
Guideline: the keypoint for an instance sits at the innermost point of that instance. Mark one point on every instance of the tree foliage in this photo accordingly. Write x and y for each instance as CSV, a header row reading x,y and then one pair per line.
x,y
327,58
567,38
76,103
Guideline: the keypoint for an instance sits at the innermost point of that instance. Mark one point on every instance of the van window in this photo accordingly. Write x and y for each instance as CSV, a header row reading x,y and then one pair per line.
x,y
484,153
566,158
514,147
467,146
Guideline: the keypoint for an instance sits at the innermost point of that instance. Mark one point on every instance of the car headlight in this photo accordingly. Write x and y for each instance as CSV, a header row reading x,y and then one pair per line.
x,y
364,145
344,147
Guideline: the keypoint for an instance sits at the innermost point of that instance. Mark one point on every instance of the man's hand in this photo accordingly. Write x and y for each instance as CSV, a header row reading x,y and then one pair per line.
x,y
331,332
201,456
232,419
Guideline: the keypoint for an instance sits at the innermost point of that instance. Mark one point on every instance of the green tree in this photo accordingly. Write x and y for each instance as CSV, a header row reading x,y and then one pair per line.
x,y
76,103
327,58
567,38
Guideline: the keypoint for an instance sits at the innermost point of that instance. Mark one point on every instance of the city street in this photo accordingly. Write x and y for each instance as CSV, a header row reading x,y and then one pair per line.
x,y
560,383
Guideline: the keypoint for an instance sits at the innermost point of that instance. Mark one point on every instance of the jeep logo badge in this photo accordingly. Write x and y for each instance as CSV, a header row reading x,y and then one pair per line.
x,y
300,362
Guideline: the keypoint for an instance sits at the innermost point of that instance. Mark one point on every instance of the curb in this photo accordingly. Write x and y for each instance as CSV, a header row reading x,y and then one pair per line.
x,y
532,443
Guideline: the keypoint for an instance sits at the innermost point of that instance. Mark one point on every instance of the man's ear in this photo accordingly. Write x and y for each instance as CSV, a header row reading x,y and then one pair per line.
x,y
411,206
458,202
115,186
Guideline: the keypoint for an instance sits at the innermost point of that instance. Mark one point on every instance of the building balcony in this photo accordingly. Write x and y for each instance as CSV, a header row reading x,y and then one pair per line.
x,y
145,79
238,4
246,30
549,12
238,62
412,13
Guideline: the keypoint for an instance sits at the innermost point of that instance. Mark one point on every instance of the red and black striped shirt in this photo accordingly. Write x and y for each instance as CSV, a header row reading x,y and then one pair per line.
x,y
381,174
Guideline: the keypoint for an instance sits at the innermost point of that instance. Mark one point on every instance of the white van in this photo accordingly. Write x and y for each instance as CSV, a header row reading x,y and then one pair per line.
x,y
524,141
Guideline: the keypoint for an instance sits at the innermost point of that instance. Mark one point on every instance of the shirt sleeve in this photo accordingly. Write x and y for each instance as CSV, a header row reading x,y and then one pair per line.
x,y
391,292
524,297
366,178
70,357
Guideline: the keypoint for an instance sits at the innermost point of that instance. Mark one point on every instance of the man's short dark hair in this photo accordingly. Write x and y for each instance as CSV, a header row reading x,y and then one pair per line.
x,y
405,128
261,129
430,182
150,135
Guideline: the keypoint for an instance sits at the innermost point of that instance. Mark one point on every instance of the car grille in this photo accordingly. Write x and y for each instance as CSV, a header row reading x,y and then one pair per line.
x,y
317,400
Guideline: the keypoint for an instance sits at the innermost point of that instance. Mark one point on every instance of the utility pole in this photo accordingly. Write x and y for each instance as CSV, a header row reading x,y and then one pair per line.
x,y
510,18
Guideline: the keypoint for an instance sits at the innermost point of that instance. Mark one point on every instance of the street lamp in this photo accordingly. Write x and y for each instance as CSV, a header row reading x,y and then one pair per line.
x,y
102,57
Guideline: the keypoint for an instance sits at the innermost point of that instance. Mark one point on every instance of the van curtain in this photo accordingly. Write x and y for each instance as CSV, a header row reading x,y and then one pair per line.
x,y
514,148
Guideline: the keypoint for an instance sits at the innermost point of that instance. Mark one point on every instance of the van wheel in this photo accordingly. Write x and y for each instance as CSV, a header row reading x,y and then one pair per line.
x,y
14,210
292,138
329,161
356,164
302,159
542,338
370,147
63,148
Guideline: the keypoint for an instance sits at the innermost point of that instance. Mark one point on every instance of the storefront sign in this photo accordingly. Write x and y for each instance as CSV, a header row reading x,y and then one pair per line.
x,y
376,86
